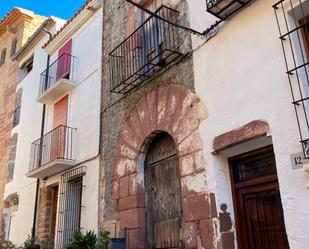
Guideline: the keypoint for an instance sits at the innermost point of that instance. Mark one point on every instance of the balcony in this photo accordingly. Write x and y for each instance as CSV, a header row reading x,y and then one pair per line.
x,y
57,80
53,153
153,46
225,8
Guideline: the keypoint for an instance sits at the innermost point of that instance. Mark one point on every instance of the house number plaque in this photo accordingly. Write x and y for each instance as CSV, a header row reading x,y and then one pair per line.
x,y
298,160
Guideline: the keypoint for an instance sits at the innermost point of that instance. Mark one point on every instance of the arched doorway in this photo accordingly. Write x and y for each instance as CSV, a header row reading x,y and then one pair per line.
x,y
178,112
163,194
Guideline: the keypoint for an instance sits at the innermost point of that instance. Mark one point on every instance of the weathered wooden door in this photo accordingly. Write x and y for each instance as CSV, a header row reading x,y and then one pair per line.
x,y
163,195
259,213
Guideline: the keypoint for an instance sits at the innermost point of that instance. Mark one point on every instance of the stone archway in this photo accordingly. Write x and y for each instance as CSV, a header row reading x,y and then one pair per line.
x,y
177,111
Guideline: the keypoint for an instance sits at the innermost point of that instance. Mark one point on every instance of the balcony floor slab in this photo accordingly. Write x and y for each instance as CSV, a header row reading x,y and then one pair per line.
x,y
57,90
55,167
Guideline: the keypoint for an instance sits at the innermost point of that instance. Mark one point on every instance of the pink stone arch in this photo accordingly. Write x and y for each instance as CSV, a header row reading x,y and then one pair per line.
x,y
178,111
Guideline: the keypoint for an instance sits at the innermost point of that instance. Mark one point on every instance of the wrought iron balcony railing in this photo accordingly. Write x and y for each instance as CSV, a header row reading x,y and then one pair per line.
x,y
225,8
56,144
293,24
151,47
62,68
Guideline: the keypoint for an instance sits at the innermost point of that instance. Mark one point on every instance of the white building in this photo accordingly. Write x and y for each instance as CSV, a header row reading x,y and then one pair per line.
x,y
27,121
240,76
66,96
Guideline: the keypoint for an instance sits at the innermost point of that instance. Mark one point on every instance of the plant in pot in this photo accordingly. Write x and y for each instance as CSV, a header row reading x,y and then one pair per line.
x,y
47,244
31,243
8,245
83,241
103,240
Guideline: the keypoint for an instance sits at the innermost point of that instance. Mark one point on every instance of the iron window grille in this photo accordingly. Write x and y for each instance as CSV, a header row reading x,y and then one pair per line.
x,y
222,9
293,30
70,205
152,46
62,68
56,144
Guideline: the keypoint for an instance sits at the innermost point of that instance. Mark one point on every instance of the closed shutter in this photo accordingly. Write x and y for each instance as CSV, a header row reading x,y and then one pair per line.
x,y
64,61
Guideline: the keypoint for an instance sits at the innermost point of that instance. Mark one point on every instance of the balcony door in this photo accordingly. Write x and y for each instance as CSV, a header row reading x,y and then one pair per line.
x,y
257,201
58,135
64,61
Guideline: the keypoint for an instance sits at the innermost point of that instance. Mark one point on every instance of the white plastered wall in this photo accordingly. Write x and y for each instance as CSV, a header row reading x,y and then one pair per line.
x,y
84,113
84,99
240,77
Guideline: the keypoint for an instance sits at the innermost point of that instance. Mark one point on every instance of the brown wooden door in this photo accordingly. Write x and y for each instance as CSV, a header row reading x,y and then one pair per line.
x,y
263,217
163,195
258,207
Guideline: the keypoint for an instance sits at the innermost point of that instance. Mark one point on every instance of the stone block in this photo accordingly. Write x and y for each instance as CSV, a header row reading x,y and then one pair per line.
x,y
133,218
206,228
190,233
134,201
137,238
254,129
196,207
124,187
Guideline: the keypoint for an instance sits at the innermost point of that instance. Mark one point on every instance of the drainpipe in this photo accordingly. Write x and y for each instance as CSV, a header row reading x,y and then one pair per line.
x,y
41,146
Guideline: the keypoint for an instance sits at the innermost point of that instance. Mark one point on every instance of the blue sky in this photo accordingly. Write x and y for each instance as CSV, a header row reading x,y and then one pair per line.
x,y
60,8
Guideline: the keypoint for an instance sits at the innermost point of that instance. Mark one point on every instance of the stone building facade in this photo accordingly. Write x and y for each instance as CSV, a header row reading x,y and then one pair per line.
x,y
212,133
163,106
180,141
15,28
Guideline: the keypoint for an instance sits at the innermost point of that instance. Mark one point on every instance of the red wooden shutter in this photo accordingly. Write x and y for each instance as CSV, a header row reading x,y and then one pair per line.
x,y
64,60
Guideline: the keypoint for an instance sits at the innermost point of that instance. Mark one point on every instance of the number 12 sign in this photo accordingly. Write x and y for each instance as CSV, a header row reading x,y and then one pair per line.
x,y
298,160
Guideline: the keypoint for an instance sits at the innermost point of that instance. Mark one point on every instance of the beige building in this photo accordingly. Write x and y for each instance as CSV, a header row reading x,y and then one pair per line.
x,y
15,28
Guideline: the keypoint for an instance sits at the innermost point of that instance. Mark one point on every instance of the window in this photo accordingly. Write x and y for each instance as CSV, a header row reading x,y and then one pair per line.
x,y
258,166
305,33
28,65
13,47
26,68
3,57
17,107
70,205
12,156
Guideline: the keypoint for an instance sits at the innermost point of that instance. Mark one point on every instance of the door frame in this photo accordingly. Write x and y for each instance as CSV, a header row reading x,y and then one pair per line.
x,y
267,181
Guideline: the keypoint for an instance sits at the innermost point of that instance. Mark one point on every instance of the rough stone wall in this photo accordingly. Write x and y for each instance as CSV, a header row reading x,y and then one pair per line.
x,y
176,110
8,80
116,108
45,213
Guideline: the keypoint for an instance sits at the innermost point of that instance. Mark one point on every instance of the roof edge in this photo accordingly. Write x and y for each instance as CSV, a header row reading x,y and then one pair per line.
x,y
66,29
47,24
11,16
